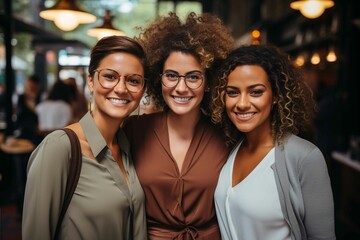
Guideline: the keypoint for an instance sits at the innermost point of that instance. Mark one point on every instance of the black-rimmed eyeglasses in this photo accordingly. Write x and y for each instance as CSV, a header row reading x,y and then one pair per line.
x,y
192,80
109,78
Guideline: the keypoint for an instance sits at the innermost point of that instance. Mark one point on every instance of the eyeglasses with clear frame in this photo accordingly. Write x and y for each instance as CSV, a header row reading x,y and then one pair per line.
x,y
193,80
109,78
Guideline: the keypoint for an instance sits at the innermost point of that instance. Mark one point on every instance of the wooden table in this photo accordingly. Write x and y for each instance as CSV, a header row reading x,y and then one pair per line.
x,y
18,150
17,146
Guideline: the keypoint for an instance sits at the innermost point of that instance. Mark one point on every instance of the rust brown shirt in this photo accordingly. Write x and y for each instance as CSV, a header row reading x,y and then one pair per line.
x,y
179,204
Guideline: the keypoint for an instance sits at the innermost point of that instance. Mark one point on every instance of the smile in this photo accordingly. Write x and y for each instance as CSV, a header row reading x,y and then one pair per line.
x,y
244,116
182,99
118,101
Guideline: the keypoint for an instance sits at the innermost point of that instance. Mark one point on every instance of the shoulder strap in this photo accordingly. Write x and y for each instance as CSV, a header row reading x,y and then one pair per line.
x,y
73,175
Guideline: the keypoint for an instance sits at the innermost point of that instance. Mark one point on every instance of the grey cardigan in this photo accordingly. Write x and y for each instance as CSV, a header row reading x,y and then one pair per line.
x,y
304,189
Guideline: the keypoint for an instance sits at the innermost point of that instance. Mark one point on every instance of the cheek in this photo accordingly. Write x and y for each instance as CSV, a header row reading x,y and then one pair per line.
x,y
265,104
229,104
137,96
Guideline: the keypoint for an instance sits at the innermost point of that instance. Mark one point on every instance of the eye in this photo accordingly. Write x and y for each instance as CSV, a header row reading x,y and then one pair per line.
x,y
193,77
171,76
109,76
256,92
134,80
232,92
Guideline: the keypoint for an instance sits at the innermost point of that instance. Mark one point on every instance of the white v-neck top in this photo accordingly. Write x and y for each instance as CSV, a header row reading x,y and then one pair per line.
x,y
251,209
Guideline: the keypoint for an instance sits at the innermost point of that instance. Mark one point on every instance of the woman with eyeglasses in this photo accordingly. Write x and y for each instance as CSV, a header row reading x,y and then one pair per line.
x,y
178,152
108,202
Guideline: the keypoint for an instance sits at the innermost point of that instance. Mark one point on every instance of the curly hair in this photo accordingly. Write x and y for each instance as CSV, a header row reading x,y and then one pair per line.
x,y
295,106
204,36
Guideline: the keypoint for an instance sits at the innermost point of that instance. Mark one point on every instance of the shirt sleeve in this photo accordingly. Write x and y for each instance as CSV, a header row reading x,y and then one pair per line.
x,y
45,187
318,197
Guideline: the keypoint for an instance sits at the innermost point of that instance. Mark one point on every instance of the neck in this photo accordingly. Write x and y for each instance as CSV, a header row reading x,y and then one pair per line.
x,y
107,127
184,124
260,139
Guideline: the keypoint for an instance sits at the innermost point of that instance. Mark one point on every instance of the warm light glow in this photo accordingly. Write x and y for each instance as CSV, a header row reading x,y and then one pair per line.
x,y
67,15
312,8
315,59
331,57
99,33
106,29
300,61
255,33
63,21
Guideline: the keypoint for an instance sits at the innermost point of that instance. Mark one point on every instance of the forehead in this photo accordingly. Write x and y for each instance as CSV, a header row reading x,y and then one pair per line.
x,y
122,61
248,75
182,62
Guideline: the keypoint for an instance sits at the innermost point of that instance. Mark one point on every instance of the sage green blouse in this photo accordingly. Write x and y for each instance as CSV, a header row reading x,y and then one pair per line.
x,y
102,207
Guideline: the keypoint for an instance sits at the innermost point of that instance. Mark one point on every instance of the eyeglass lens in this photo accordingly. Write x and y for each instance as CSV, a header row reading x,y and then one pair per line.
x,y
110,78
193,80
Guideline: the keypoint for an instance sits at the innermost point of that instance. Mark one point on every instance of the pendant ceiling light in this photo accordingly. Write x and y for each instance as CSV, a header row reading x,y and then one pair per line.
x,y
105,29
312,8
67,15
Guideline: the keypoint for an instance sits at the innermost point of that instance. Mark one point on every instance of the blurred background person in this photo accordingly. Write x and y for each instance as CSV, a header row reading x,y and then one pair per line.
x,y
79,103
26,123
56,112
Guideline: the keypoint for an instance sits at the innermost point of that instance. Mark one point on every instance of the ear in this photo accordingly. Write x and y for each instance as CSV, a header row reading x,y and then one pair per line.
x,y
90,83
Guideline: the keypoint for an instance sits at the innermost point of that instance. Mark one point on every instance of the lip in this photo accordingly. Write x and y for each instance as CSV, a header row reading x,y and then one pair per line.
x,y
244,116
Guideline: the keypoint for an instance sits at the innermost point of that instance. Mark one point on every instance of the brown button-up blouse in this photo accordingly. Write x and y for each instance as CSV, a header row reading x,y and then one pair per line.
x,y
179,204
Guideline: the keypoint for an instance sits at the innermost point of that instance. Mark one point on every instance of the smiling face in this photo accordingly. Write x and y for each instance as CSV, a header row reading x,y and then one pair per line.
x,y
249,99
116,102
180,99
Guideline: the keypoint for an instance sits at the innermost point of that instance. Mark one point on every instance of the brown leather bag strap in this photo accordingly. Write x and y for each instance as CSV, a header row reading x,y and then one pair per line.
x,y
73,175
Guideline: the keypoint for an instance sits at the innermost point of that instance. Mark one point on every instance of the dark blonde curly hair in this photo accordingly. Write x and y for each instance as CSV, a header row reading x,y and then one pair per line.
x,y
295,106
204,36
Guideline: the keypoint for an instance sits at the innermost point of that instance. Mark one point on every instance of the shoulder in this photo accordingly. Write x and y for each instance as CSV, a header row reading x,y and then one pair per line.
x,y
51,156
211,128
55,145
301,152
298,144
141,122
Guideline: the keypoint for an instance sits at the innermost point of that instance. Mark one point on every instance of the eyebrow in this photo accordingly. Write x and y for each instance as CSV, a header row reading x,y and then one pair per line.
x,y
193,71
248,87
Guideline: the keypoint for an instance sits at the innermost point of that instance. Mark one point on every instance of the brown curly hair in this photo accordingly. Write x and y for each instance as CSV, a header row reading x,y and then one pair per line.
x,y
295,106
204,36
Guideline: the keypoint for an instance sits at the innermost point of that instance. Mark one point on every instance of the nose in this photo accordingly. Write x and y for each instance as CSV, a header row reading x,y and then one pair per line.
x,y
243,102
121,86
181,86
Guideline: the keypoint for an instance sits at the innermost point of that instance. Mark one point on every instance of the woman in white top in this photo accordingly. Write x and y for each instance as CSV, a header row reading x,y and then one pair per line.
x,y
275,185
55,112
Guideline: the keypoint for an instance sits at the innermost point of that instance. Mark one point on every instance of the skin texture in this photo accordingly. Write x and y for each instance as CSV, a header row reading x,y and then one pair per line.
x,y
116,103
183,63
293,104
249,92
248,102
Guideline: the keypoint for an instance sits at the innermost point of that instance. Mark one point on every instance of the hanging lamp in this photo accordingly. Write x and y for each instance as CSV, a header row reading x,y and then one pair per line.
x,y
311,8
67,15
106,28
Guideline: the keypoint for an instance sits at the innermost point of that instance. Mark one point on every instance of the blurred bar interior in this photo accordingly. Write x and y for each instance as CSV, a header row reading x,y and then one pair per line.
x,y
324,43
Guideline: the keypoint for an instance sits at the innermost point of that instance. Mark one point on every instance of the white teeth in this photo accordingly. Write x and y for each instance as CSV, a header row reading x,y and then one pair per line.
x,y
182,99
245,115
118,101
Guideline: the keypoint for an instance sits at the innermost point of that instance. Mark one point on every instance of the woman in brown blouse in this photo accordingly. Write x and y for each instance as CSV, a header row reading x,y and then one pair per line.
x,y
178,152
